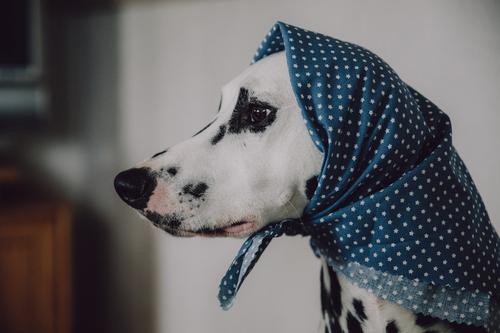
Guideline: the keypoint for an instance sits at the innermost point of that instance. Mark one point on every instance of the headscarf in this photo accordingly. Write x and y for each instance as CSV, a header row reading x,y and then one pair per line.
x,y
395,209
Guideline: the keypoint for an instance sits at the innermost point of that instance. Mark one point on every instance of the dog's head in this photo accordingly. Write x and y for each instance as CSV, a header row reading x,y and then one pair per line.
x,y
253,164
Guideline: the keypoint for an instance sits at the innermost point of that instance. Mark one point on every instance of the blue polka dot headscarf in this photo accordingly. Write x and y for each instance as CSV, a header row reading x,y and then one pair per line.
x,y
395,210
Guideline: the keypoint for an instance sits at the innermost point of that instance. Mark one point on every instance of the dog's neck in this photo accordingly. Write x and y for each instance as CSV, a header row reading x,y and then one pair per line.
x,y
348,308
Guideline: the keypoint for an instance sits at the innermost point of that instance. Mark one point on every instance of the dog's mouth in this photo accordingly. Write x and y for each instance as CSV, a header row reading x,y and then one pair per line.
x,y
173,225
236,229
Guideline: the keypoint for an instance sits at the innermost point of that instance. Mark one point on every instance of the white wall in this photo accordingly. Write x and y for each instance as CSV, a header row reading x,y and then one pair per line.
x,y
176,55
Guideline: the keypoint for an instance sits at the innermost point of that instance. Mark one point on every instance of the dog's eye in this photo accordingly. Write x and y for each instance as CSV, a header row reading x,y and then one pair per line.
x,y
258,113
251,114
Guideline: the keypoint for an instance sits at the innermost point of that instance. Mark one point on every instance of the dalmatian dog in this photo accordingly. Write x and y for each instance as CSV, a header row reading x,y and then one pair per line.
x,y
253,164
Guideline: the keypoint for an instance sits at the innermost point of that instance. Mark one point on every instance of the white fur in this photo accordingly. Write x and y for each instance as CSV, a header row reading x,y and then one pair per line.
x,y
257,175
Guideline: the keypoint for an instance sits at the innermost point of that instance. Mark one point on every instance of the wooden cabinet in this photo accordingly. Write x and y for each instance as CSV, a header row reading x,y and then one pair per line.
x,y
35,274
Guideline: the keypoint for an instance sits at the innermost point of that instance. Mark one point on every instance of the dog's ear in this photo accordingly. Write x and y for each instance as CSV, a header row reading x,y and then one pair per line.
x,y
311,185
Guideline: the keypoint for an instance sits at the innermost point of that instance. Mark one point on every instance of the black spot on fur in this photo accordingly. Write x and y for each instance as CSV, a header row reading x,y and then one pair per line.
x,y
331,301
432,331
334,326
392,327
329,314
220,134
173,221
196,191
241,106
360,309
246,106
204,128
353,325
311,185
425,321
159,153
325,300
172,171
170,221
335,292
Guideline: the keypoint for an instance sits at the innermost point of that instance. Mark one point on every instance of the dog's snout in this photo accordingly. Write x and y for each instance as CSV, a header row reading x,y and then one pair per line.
x,y
135,186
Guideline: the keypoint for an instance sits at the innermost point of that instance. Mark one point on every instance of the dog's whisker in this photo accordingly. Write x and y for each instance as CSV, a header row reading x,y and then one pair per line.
x,y
289,201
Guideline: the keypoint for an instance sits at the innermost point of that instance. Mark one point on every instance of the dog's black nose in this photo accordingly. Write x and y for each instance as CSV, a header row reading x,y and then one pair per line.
x,y
135,186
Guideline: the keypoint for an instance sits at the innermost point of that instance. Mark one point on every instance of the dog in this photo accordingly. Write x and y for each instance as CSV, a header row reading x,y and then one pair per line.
x,y
253,164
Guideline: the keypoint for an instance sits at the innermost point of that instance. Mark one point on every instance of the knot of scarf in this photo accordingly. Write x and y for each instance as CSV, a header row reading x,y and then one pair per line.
x,y
250,252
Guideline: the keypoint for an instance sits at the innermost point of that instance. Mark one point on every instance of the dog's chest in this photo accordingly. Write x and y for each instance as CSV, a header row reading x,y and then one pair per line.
x,y
347,308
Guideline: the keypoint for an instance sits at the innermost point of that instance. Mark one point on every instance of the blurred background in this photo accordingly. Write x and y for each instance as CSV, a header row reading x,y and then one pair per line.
x,y
88,88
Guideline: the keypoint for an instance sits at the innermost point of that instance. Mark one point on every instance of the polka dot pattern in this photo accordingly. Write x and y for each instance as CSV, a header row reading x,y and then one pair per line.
x,y
249,253
393,198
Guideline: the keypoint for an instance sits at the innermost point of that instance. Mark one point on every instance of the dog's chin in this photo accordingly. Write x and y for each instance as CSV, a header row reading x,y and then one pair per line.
x,y
176,225
238,229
